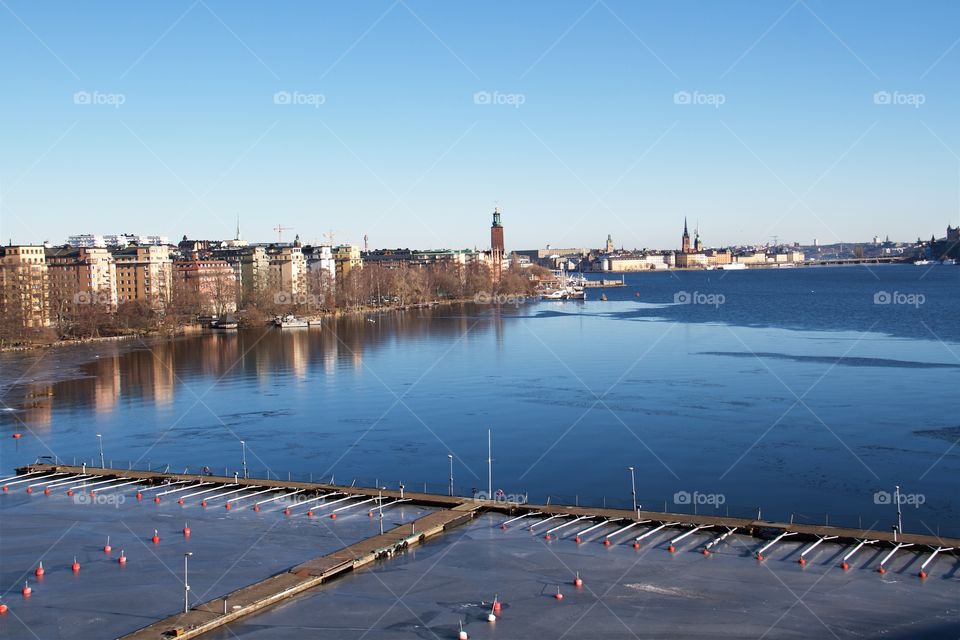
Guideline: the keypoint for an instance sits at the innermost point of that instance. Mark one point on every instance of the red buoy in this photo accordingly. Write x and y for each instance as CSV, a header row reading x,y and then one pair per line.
x,y
203,502
16,436
922,574
577,539
370,514
91,493
39,570
577,582
26,591
559,595
760,556
496,605
123,558
606,542
69,492
227,506
6,489
310,514
286,511
139,496
706,551
802,562
502,526
636,545
881,570
156,499
546,537
46,491
186,531
672,549
3,608
156,537
180,502
256,508
844,566
29,489
107,548
76,565
333,516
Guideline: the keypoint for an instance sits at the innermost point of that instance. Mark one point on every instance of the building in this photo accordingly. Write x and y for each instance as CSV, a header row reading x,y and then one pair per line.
x,y
628,261
320,260
496,244
82,275
395,258
24,297
685,239
288,268
251,267
210,282
144,274
609,247
346,258
953,233
87,240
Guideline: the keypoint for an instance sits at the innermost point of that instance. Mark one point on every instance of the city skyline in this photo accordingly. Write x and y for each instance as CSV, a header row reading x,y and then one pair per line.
x,y
578,122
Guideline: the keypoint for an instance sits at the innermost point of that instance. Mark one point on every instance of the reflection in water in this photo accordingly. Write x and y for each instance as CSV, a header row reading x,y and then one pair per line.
x,y
152,375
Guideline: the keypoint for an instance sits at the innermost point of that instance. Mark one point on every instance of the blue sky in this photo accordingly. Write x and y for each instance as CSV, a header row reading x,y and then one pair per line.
x,y
409,120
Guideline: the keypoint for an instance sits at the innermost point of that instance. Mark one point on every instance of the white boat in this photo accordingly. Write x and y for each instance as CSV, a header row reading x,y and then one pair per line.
x,y
289,322
921,263
733,266
948,261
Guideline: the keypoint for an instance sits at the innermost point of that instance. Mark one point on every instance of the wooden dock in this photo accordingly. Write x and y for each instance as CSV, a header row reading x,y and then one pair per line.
x,y
452,511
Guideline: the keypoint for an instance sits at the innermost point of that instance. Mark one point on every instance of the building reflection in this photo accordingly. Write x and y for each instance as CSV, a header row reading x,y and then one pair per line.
x,y
151,375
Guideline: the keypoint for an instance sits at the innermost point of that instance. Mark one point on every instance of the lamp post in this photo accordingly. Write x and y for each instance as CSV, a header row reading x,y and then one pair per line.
x,y
380,507
243,446
450,455
186,584
899,515
100,446
633,490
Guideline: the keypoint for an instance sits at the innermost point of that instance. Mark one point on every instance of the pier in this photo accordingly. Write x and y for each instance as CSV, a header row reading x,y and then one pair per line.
x,y
579,525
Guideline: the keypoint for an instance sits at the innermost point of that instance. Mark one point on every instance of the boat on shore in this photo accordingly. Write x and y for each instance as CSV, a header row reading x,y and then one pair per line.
x,y
290,322
228,322
733,266
922,263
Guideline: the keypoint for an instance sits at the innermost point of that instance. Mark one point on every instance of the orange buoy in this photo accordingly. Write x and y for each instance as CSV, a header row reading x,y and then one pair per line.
x,y
123,558
91,493
227,506
3,608
286,511
256,508
180,502
6,489
370,513
802,562
309,514
577,539
922,574
156,499
760,556
881,570
559,595
577,582
496,604
706,551
139,496
29,489
39,570
636,545
46,491
672,549
76,565
26,591
69,492
16,436
156,537
606,542
844,566
107,548
203,502
546,537
186,531
333,516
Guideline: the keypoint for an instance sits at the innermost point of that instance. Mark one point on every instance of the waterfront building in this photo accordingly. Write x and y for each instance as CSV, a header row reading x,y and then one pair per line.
x,y
24,293
288,268
87,240
395,258
496,244
346,257
210,282
144,274
251,267
82,275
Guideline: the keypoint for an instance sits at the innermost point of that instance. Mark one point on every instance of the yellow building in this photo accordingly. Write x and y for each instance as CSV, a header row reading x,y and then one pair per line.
x,y
288,269
24,294
346,257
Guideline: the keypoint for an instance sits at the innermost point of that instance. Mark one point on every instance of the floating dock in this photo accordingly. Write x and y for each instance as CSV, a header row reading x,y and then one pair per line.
x,y
608,526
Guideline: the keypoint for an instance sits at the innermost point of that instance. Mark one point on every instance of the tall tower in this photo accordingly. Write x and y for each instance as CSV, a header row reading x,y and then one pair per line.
x,y
609,243
496,244
685,246
697,244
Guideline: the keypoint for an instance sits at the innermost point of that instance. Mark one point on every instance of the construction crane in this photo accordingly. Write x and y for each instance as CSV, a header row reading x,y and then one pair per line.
x,y
280,229
329,236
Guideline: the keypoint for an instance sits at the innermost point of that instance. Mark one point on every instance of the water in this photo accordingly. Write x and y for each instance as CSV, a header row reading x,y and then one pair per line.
x,y
787,391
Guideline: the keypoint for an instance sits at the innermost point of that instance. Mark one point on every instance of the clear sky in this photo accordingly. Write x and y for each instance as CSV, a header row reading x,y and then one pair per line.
x,y
408,120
